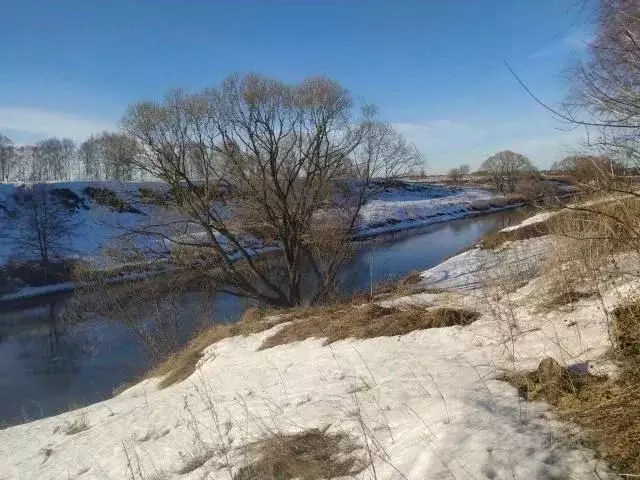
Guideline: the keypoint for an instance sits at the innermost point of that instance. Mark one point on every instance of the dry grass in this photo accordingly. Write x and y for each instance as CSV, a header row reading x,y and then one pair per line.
x,y
193,461
496,239
626,330
566,296
308,455
553,383
79,424
182,364
607,410
368,321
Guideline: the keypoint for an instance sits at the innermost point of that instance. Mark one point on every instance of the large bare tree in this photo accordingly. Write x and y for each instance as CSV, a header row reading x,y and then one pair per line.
x,y
255,163
506,168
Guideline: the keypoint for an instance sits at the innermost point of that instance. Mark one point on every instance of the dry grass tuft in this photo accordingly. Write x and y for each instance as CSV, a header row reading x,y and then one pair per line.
x,y
496,239
182,364
567,296
553,383
626,330
79,424
307,455
194,461
411,279
368,321
607,410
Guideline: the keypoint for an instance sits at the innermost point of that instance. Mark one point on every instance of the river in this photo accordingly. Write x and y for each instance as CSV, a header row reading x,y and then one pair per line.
x,y
49,365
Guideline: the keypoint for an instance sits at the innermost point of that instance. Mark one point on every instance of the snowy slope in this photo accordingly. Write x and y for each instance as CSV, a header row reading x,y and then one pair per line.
x,y
96,227
399,210
429,401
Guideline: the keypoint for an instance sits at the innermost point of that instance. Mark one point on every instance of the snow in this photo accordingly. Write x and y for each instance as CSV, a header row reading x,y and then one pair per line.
x,y
538,218
430,402
98,229
94,227
400,210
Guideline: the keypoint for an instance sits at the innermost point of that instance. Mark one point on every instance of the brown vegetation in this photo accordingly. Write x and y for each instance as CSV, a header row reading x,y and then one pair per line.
x,y
182,364
496,239
607,410
368,321
307,455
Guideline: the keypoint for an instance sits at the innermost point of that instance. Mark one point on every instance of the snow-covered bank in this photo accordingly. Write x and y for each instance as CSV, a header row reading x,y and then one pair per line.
x,y
96,228
427,404
396,211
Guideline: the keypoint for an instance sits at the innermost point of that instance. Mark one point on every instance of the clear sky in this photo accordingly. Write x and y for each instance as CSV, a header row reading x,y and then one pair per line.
x,y
434,67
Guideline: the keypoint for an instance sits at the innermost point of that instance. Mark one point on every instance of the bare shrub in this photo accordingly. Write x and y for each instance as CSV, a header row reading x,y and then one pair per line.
x,y
108,198
307,455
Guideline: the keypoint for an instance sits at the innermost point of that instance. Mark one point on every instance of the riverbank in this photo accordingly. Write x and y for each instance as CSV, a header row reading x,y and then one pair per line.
x,y
397,391
98,224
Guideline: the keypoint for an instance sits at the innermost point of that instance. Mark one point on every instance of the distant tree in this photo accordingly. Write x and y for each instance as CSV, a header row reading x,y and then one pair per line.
x,y
119,152
593,169
53,159
506,168
90,159
43,224
23,163
7,158
455,175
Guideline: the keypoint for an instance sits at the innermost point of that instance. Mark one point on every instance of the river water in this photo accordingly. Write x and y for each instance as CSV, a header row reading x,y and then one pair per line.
x,y
49,365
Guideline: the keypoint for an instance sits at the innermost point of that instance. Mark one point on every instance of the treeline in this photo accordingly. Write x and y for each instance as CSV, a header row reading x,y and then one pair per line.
x,y
107,156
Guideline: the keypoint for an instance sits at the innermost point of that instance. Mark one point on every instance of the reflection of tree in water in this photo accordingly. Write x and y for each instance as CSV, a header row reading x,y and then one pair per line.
x,y
162,312
460,226
61,352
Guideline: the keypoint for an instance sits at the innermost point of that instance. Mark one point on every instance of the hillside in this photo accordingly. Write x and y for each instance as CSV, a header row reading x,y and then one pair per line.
x,y
103,214
418,393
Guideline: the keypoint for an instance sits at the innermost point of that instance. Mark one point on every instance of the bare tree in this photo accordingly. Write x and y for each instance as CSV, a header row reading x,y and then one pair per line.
x,y
53,159
23,162
505,169
286,166
118,156
606,95
455,175
590,170
90,159
43,224
7,158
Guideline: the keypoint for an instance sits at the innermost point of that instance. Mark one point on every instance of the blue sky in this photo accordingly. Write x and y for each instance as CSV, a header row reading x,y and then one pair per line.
x,y
435,68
